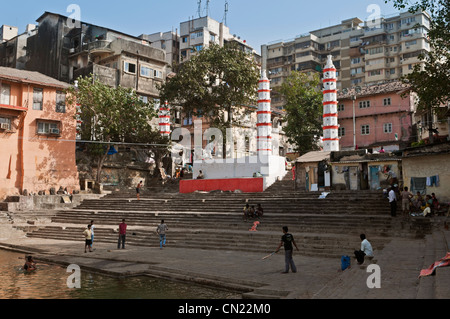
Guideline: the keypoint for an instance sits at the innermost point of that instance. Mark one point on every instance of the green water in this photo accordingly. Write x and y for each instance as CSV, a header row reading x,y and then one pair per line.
x,y
50,282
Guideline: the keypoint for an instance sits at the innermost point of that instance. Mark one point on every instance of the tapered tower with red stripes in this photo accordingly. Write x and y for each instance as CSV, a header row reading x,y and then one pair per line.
x,y
330,113
164,120
264,123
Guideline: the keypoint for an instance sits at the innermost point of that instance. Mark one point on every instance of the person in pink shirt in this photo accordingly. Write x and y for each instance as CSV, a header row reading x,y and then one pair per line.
x,y
122,234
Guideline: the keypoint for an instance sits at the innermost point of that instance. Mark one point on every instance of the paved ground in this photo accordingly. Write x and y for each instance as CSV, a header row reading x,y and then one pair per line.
x,y
400,263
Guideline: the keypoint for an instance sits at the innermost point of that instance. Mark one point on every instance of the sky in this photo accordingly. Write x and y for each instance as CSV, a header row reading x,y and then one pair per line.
x,y
256,21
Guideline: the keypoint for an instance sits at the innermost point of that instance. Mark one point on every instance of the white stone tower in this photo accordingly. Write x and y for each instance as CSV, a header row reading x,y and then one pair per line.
x,y
264,123
330,113
164,120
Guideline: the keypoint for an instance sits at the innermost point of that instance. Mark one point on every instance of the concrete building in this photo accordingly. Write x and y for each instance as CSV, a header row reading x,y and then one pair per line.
x,y
169,42
377,116
363,52
65,50
8,32
199,33
37,134
13,46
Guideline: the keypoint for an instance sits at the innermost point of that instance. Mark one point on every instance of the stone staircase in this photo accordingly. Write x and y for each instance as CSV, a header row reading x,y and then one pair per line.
x,y
327,227
284,185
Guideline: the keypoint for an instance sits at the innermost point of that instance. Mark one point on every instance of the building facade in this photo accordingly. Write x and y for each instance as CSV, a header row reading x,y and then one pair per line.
x,y
377,116
364,53
37,134
65,50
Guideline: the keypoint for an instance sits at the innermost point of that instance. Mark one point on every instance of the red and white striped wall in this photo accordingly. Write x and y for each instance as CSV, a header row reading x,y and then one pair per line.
x,y
330,112
164,120
264,122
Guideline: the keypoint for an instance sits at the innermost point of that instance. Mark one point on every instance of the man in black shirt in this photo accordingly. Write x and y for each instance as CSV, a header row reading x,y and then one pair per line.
x,y
288,240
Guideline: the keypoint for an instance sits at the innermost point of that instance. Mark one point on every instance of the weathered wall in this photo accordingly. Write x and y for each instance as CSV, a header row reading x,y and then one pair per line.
x,y
427,166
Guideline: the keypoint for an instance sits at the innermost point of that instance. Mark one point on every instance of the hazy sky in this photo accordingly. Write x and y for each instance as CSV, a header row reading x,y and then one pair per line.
x,y
258,22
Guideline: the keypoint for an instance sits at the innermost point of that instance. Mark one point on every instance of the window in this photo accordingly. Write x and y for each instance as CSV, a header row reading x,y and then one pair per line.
x,y
146,72
187,120
375,62
356,60
364,104
356,81
197,35
356,71
375,50
341,107
198,48
387,128
48,128
158,74
375,72
409,43
60,102
185,39
341,131
38,99
365,129
5,123
130,67
143,99
387,101
5,94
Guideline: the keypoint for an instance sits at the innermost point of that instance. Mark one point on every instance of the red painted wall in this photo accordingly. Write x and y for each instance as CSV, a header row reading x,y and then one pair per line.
x,y
246,185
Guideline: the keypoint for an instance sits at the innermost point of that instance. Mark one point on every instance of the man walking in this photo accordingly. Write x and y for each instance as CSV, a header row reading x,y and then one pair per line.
x,y
161,230
88,238
393,202
288,240
122,234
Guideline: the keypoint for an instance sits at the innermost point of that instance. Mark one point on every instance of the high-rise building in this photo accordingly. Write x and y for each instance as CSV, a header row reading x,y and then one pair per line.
x,y
364,53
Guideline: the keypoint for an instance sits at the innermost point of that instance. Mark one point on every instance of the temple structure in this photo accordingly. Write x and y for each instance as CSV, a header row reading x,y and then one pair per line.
x,y
253,173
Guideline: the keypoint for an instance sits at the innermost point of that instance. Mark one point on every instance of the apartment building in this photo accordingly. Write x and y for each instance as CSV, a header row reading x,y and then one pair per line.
x,y
37,134
169,42
364,53
13,46
199,33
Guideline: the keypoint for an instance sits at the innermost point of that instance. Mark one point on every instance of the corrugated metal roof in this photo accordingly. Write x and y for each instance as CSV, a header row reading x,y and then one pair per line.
x,y
315,156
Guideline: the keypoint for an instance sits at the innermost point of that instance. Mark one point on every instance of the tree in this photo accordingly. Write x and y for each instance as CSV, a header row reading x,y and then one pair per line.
x,y
216,82
431,80
304,110
110,115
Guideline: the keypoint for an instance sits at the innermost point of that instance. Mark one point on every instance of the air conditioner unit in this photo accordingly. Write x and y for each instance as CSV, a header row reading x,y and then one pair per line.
x,y
4,126
54,131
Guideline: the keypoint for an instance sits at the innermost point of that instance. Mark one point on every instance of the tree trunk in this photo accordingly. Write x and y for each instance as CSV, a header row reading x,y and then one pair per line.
x,y
100,163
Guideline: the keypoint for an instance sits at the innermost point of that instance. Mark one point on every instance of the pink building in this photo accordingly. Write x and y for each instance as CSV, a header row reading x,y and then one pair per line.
x,y
376,116
37,134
